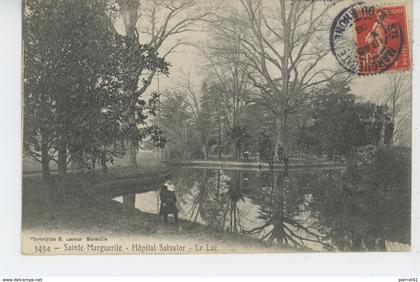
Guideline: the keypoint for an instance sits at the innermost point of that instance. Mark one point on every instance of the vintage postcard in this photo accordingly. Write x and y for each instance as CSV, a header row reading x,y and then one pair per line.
x,y
208,127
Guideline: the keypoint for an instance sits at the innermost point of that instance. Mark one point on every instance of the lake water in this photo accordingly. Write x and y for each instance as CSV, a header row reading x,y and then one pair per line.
x,y
313,211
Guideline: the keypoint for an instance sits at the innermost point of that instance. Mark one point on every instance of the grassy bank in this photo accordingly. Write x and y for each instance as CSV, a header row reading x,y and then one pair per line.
x,y
114,219
88,208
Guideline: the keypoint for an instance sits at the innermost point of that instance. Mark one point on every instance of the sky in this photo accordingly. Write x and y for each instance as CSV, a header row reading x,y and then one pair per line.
x,y
186,59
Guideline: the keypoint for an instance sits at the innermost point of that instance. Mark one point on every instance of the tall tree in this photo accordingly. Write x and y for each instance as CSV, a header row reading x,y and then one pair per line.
x,y
398,99
150,26
68,55
75,107
227,82
284,47
283,43
175,120
201,116
340,122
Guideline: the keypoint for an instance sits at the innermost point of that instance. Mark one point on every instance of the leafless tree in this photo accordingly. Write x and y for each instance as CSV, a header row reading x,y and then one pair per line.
x,y
398,99
281,228
226,78
284,43
157,24
284,46
192,94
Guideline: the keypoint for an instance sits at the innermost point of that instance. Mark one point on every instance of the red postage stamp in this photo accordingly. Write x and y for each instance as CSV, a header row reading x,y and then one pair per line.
x,y
371,39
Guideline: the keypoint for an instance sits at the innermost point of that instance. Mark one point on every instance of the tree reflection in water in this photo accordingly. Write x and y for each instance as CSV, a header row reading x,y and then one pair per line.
x,y
367,206
215,199
318,209
223,199
281,201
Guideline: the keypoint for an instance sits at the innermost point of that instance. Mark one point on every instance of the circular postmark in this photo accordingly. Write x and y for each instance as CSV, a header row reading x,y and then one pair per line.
x,y
366,39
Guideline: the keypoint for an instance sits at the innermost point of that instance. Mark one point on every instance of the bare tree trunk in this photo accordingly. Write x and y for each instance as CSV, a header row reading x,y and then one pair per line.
x,y
235,148
93,160
61,105
131,85
393,114
45,160
239,149
280,134
205,152
204,146
277,136
62,168
284,132
103,162
159,17
129,12
132,157
133,141
302,131
62,159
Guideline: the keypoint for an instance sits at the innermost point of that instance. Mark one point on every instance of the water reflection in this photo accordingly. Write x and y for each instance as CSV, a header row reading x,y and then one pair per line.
x,y
305,209
129,200
362,219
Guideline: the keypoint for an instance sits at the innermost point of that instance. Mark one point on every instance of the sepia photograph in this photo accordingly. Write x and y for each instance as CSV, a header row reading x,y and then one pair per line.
x,y
216,127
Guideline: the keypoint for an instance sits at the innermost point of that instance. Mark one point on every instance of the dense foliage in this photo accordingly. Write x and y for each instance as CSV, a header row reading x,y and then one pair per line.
x,y
370,203
76,107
